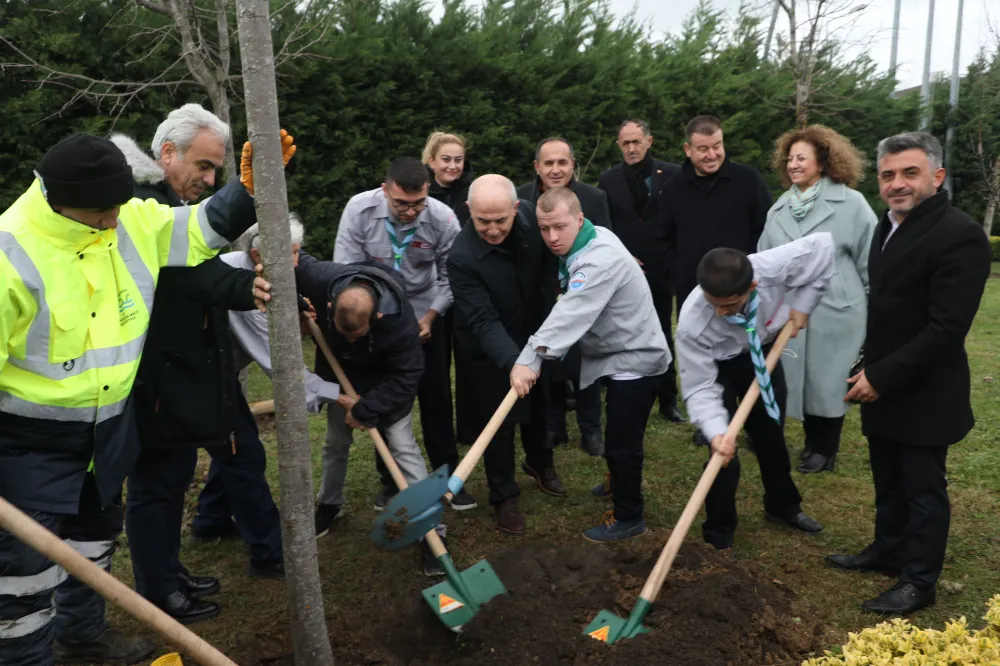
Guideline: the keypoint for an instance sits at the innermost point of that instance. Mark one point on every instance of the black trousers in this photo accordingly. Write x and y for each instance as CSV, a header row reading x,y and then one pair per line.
x,y
237,489
155,505
823,433
588,406
628,405
912,511
781,497
434,397
663,301
500,459
39,603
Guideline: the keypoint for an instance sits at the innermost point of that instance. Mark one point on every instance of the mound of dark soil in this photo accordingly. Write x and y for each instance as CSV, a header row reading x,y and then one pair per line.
x,y
712,611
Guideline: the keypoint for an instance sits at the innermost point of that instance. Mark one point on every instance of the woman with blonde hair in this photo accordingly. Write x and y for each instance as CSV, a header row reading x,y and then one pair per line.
x,y
450,171
820,168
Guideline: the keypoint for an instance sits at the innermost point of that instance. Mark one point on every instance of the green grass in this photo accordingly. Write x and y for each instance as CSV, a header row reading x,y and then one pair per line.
x,y
356,575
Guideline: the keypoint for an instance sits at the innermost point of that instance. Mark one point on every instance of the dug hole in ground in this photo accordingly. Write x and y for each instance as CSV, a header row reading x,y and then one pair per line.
x,y
712,611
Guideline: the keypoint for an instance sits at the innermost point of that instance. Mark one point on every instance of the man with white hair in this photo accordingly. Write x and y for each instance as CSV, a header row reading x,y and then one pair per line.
x,y
501,277
187,395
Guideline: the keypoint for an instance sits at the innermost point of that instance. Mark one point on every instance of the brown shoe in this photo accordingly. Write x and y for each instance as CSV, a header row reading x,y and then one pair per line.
x,y
509,519
546,479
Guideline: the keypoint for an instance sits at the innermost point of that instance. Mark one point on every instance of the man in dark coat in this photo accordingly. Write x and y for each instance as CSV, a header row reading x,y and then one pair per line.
x,y
187,393
713,202
633,189
499,269
927,268
370,326
555,166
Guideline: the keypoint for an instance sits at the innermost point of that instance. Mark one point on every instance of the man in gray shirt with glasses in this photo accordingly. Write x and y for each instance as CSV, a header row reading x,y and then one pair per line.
x,y
400,226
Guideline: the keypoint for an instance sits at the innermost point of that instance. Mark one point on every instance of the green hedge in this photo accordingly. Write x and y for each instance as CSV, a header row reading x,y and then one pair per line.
x,y
995,245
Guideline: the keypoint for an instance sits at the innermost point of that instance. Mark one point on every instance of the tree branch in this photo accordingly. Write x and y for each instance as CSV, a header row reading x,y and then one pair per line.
x,y
153,6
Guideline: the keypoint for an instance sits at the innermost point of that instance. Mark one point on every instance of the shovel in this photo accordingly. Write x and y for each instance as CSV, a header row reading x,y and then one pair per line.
x,y
611,628
422,502
28,531
459,597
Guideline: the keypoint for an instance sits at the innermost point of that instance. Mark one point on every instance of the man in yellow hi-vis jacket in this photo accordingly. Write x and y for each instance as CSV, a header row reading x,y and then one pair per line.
x,y
79,260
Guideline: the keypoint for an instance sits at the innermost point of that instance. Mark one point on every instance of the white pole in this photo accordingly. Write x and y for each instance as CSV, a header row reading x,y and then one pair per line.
x,y
895,39
949,140
925,87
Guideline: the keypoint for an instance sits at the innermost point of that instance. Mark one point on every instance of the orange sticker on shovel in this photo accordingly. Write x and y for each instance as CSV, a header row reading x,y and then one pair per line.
x,y
446,604
601,634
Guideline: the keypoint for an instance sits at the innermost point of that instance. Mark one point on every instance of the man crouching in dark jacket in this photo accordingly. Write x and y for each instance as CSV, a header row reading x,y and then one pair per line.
x,y
372,330
187,394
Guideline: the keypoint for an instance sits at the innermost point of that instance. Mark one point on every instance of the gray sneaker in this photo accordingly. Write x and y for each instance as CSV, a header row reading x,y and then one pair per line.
x,y
111,647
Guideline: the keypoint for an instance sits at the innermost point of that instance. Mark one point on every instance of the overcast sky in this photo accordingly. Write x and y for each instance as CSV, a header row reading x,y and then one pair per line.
x,y
874,25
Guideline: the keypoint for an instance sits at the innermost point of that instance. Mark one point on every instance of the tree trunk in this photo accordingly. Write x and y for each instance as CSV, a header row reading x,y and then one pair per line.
x,y
307,618
994,196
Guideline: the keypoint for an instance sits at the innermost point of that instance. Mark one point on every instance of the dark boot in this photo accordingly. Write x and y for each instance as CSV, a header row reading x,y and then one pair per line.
x,y
111,647
546,478
509,518
817,462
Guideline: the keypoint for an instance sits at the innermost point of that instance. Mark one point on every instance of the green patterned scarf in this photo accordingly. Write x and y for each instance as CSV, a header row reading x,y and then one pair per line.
x,y
802,200
587,234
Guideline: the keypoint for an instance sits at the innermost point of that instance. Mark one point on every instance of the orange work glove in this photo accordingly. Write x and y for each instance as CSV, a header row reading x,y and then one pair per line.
x,y
246,160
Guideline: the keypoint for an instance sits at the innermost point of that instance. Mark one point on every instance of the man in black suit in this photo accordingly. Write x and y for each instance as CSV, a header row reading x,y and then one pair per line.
x,y
927,269
633,189
555,166
713,202
499,268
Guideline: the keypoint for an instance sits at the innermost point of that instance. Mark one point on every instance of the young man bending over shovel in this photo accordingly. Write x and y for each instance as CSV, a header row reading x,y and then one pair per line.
x,y
723,335
607,306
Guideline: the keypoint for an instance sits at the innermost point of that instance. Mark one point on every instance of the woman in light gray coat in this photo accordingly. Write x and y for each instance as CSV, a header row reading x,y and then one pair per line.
x,y
820,167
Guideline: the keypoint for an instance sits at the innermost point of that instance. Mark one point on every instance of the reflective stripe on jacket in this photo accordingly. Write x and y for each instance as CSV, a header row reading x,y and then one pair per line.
x,y
74,310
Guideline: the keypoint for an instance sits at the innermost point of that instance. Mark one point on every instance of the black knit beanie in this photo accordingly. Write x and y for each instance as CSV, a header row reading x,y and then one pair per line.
x,y
86,171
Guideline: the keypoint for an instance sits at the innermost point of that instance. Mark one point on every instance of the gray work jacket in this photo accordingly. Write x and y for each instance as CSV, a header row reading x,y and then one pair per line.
x,y
609,309
362,236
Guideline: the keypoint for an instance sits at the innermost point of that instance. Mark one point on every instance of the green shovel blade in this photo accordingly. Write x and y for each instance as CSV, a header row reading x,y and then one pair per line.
x,y
610,628
458,599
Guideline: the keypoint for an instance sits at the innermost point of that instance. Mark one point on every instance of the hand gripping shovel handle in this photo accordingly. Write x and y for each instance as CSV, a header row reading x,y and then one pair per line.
x,y
48,544
471,458
666,559
432,537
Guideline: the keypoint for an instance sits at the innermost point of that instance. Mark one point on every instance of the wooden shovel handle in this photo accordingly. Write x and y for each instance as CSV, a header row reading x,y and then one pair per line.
x,y
485,437
48,544
666,559
432,537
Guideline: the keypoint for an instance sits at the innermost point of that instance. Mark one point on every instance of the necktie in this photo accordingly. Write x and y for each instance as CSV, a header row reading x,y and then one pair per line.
x,y
749,322
398,248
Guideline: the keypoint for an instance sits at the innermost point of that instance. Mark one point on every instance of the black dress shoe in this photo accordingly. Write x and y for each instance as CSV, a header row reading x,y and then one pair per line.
x,y
198,586
671,413
799,521
867,560
699,439
817,462
266,568
900,599
805,454
554,439
593,444
187,610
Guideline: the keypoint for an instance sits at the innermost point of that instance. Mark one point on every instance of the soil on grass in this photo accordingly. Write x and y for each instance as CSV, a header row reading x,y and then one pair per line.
x,y
712,611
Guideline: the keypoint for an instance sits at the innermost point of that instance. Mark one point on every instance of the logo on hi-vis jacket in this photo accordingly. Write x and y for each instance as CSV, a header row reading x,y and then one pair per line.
x,y
126,308
578,280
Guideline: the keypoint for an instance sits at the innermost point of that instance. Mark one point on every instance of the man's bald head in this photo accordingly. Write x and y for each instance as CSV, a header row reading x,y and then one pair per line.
x,y
354,309
493,204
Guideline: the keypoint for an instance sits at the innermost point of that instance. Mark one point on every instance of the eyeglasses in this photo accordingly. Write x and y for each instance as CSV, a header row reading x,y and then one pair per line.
x,y
416,206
